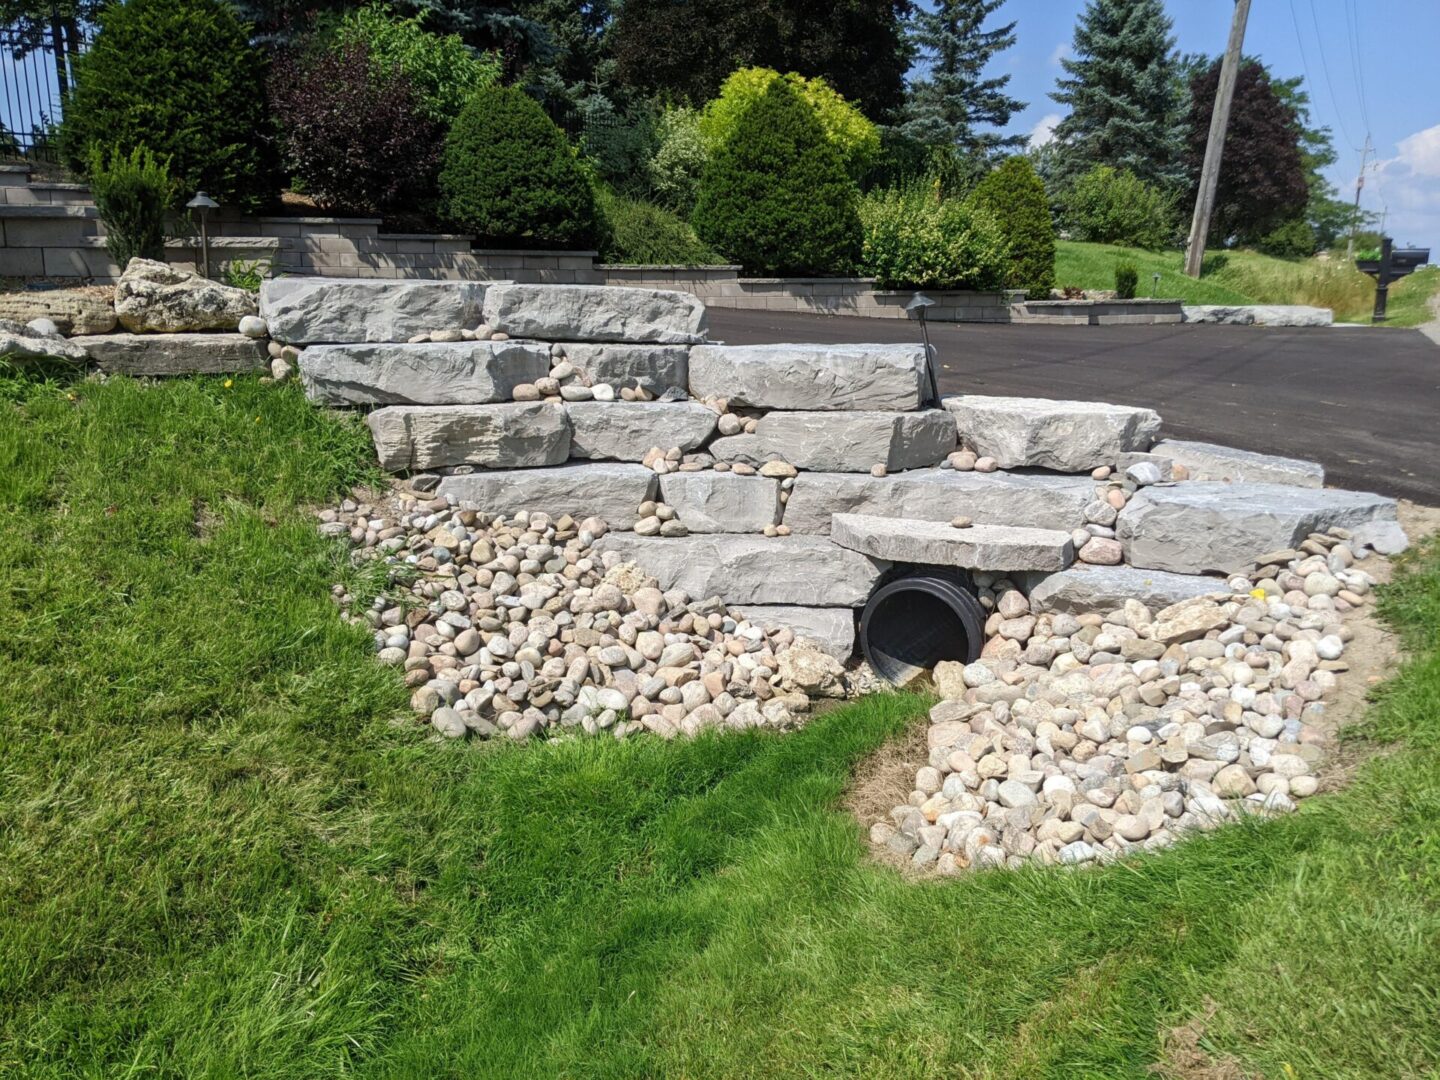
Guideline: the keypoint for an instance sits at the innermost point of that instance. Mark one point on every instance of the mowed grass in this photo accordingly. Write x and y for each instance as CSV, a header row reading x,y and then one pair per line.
x,y
1248,277
225,850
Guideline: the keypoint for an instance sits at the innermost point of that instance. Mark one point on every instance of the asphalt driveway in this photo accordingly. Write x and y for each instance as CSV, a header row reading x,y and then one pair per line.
x,y
1364,402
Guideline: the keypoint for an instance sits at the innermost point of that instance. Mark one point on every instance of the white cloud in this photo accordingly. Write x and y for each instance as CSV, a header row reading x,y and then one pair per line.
x,y
1044,129
1060,52
1407,186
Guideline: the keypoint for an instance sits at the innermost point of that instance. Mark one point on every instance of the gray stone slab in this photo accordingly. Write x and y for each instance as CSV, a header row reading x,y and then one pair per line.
x,y
596,313
937,543
1204,527
1067,436
452,373
1258,314
513,436
805,570
625,430
1104,589
195,353
832,628
845,442
18,342
1032,500
656,368
714,502
1210,461
811,378
609,490
314,310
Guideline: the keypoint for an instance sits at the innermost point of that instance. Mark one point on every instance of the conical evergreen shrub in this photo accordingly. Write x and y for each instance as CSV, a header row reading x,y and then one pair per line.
x,y
1015,195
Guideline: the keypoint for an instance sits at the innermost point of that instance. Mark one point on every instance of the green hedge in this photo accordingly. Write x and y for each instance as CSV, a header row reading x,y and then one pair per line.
x,y
1015,195
916,240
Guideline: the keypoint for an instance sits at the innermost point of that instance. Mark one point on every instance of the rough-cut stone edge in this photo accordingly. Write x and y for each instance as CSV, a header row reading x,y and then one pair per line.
x,y
933,543
831,628
578,489
195,352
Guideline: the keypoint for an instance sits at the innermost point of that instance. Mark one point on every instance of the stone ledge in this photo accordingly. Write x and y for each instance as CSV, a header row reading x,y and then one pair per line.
x,y
174,354
979,547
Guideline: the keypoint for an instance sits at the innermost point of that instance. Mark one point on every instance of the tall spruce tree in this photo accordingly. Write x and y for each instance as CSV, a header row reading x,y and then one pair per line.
x,y
1124,97
950,105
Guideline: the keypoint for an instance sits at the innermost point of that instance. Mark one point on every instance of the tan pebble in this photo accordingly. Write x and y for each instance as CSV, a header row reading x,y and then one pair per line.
x,y
960,523
986,464
782,530
877,470
1116,498
1101,473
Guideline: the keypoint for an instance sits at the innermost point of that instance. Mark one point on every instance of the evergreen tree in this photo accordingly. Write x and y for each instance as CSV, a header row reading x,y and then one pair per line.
x,y
1014,194
1123,93
948,106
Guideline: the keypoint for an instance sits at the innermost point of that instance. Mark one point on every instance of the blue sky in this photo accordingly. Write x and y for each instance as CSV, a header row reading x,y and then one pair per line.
x,y
1384,80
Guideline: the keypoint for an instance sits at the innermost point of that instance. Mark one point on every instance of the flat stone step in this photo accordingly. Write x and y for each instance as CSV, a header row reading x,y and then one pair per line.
x,y
832,628
174,354
715,502
1067,436
1034,501
801,570
609,490
1104,589
811,378
513,436
1206,527
320,310
596,313
844,442
429,373
1210,461
979,547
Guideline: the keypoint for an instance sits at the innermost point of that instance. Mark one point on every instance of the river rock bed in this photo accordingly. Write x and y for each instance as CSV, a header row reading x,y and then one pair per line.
x,y
1085,738
512,625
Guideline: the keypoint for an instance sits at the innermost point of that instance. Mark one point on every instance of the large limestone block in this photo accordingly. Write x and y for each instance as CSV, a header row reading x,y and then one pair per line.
x,y
608,490
515,436
811,378
1209,461
934,543
18,343
713,502
452,373
805,570
1104,589
154,296
174,354
832,628
1258,314
1198,528
73,311
1067,436
596,313
655,368
625,430
314,310
845,442
1033,501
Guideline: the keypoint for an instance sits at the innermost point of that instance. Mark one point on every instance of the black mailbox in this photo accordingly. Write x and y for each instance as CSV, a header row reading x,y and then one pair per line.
x,y
1393,264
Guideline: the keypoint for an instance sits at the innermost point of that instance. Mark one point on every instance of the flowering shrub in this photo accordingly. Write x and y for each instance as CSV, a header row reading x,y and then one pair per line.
x,y
914,240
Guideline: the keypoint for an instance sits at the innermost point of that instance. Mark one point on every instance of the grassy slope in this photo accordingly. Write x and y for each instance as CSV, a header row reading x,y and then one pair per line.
x,y
221,856
1247,277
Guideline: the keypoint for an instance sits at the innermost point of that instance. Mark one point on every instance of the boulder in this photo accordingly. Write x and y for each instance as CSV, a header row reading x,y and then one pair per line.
x,y
73,311
1210,461
1207,527
979,547
831,628
19,343
453,373
713,502
154,296
655,368
513,436
1067,436
806,570
608,490
174,354
595,313
314,310
1258,314
626,430
811,378
1104,589
845,442
1034,501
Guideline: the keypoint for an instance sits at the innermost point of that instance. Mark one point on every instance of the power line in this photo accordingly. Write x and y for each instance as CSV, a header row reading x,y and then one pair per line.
x,y
1357,64
1325,67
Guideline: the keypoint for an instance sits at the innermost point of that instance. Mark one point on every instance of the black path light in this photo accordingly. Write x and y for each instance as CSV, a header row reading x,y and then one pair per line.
x,y
918,304
204,204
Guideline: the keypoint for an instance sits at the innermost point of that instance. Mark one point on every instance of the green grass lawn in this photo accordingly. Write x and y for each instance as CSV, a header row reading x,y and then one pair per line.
x,y
1247,277
226,851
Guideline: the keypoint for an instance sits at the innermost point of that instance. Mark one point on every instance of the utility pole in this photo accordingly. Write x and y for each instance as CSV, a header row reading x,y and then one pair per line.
x,y
1215,142
1355,215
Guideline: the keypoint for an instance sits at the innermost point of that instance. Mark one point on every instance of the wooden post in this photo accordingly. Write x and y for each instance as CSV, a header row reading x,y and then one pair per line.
x,y
1215,142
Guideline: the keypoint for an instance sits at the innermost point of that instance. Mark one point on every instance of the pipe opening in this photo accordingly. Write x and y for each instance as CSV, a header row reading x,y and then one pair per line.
x,y
915,621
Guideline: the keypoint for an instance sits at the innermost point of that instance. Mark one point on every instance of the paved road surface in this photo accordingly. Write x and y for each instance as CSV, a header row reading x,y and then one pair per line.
x,y
1363,402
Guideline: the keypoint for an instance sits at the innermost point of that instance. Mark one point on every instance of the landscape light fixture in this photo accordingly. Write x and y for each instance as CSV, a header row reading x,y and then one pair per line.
x,y
204,204
1155,285
918,304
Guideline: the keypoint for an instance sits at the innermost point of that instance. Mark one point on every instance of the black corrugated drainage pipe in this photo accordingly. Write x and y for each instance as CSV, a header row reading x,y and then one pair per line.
x,y
919,618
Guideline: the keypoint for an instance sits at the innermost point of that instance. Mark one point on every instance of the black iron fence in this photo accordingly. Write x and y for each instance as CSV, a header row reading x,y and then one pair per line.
x,y
37,58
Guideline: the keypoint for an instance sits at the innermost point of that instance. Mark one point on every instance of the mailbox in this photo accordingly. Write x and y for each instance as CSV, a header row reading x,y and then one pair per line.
x,y
1393,264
